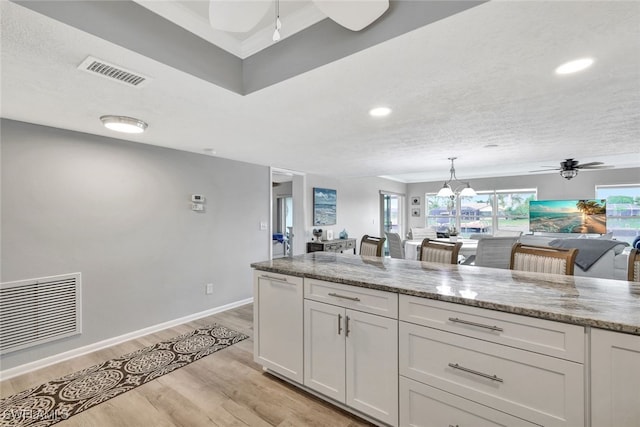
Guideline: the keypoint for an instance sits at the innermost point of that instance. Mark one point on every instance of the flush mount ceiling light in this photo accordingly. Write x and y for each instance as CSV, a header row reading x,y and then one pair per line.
x,y
380,111
574,66
462,188
123,124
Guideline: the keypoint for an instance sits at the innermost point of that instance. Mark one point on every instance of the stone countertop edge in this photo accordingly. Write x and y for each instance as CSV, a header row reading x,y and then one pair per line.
x,y
519,309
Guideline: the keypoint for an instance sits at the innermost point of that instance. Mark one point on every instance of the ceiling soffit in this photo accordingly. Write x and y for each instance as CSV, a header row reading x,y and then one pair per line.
x,y
132,26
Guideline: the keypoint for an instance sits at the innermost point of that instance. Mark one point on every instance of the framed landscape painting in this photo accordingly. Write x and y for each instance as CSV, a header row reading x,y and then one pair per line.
x,y
324,206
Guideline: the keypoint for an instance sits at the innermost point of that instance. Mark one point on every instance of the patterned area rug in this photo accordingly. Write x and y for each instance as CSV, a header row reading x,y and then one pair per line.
x,y
60,399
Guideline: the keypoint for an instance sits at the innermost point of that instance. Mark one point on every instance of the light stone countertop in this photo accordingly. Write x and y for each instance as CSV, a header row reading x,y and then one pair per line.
x,y
584,301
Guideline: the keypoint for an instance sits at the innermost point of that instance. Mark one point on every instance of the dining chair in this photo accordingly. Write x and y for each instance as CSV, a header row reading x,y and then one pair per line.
x,y
494,252
416,233
437,251
633,272
543,259
507,233
371,246
396,249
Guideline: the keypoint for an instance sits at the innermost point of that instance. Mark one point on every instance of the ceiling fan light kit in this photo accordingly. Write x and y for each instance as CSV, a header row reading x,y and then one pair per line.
x,y
569,173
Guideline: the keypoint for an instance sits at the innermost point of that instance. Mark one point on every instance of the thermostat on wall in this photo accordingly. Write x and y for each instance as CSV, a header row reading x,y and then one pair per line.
x,y
197,198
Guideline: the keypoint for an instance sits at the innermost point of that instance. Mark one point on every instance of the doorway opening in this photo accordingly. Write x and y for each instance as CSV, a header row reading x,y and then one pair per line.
x,y
287,213
391,216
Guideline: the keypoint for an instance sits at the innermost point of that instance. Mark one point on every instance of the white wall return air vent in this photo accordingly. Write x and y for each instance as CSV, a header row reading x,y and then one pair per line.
x,y
113,72
40,310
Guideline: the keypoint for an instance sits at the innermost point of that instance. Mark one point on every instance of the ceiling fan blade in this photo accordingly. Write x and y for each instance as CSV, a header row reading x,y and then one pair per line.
x,y
546,170
588,165
354,15
595,167
235,15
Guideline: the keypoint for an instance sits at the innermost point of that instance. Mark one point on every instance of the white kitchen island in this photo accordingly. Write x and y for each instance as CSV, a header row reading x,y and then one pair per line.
x,y
420,344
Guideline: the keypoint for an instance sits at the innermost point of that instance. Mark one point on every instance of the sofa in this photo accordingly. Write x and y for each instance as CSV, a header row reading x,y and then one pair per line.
x,y
611,265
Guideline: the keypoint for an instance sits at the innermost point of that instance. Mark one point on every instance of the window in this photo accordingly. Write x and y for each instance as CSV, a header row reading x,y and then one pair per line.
x,y
513,209
483,213
623,210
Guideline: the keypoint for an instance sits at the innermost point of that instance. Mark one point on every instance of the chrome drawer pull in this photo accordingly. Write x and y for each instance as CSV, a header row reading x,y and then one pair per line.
x,y
277,279
479,325
471,371
331,294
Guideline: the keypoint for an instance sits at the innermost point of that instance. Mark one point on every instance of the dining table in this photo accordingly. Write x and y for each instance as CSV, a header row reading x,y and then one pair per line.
x,y
468,248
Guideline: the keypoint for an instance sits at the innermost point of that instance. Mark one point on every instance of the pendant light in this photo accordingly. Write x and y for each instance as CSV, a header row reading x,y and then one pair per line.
x,y
278,24
462,188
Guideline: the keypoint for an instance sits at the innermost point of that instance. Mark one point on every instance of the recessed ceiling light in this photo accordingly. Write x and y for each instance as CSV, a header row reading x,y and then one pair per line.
x,y
574,66
123,124
491,146
380,111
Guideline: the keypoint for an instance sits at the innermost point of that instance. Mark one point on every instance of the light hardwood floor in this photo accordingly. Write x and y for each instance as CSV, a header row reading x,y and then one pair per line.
x,y
223,389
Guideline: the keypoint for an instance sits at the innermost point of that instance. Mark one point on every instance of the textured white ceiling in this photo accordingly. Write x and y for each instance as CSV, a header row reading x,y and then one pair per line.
x,y
484,76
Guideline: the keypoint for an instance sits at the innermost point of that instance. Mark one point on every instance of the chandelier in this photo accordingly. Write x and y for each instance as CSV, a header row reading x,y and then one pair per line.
x,y
454,187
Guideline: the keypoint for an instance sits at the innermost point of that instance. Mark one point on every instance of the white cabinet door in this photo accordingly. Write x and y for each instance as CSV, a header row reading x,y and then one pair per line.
x,y
278,319
615,379
324,349
372,365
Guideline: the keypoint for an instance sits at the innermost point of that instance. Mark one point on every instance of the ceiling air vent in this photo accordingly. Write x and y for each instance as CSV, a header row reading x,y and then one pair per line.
x,y
113,72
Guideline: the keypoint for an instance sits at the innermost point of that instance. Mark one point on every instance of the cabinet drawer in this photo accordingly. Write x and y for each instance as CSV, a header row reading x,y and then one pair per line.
x,y
539,335
425,406
362,299
541,389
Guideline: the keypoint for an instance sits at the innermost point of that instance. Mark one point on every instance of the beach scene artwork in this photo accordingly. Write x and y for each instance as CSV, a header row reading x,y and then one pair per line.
x,y
568,216
324,206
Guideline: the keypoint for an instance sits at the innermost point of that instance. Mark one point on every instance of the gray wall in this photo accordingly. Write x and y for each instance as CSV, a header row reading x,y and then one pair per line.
x,y
550,186
119,213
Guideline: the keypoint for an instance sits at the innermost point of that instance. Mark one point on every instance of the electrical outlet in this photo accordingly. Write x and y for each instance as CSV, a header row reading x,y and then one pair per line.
x,y
209,288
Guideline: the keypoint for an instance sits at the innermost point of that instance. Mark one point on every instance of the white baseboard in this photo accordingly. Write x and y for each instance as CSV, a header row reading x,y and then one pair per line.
x,y
47,361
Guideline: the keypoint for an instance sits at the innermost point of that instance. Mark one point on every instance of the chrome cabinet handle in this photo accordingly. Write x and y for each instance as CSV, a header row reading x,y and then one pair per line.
x,y
331,294
346,323
277,279
471,371
479,325
339,323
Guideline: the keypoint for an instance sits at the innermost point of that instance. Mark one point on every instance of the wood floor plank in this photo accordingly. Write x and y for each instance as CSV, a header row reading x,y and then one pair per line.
x,y
225,389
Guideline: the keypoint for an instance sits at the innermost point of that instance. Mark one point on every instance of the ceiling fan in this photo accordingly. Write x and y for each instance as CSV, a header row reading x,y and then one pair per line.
x,y
569,167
